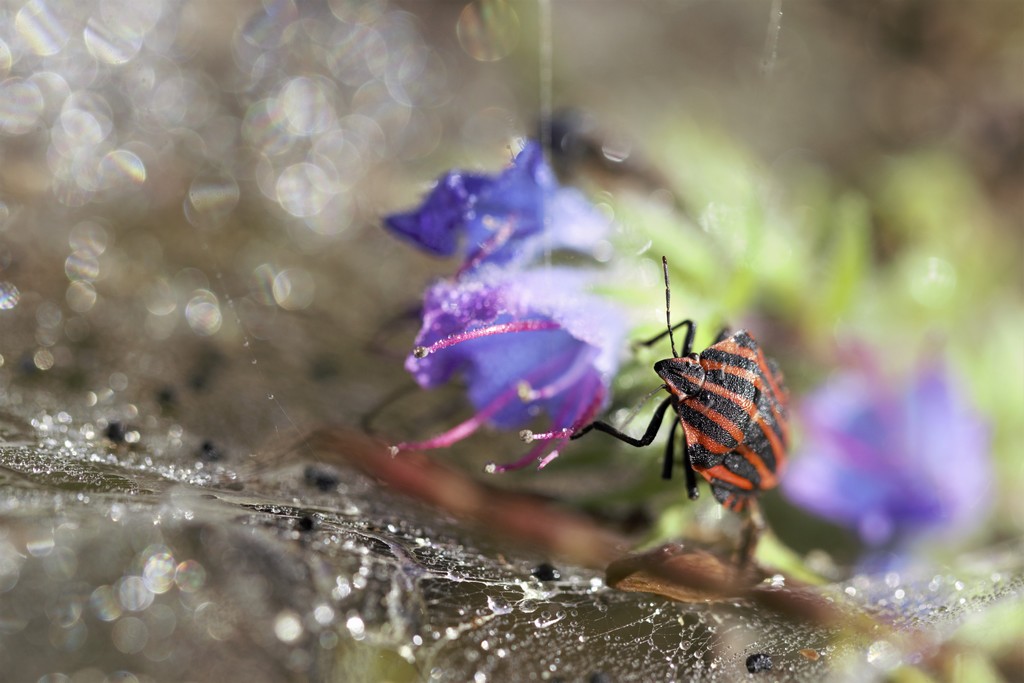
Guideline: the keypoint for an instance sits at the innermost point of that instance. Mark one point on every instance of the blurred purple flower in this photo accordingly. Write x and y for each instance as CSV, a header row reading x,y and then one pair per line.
x,y
527,343
507,218
892,465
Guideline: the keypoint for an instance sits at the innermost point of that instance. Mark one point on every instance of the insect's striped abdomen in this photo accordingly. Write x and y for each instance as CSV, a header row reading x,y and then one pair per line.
x,y
736,426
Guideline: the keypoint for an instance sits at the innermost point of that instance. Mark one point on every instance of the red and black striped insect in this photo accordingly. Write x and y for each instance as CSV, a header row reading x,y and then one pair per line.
x,y
731,403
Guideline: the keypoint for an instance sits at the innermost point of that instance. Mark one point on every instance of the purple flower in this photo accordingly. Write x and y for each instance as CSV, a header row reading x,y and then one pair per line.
x,y
893,465
508,218
527,343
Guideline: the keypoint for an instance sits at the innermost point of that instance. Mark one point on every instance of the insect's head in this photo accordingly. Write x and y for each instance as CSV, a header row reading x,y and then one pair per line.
x,y
683,376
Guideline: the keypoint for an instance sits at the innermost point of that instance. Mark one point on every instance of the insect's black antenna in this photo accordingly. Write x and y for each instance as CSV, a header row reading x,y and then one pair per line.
x,y
668,307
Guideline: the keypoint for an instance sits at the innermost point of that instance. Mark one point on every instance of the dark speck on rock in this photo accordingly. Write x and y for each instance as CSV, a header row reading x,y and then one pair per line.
x,y
115,431
546,572
322,478
758,662
208,452
166,397
306,523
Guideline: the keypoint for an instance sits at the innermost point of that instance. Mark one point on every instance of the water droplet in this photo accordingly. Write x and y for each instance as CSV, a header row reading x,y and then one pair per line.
x,y
488,30
546,619
498,605
528,606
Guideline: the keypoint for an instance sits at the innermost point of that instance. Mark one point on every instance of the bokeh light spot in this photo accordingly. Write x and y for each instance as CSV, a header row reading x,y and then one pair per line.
x,y
10,295
21,104
293,289
211,199
122,168
109,43
203,313
38,25
303,189
488,30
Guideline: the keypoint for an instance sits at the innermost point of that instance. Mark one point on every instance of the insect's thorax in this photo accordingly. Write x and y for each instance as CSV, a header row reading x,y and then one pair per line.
x,y
683,376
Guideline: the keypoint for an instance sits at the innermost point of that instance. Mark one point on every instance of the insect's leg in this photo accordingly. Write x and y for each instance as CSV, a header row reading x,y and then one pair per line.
x,y
687,344
670,452
645,440
753,526
723,334
691,476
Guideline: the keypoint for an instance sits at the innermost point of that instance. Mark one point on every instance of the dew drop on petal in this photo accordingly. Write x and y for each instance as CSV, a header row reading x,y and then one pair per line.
x,y
488,30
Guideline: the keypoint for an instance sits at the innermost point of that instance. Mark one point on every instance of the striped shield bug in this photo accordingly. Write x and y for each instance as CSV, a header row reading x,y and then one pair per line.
x,y
731,403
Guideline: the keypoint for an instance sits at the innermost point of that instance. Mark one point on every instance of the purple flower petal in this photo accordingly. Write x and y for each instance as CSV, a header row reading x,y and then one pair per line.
x,y
435,225
892,465
508,218
557,371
